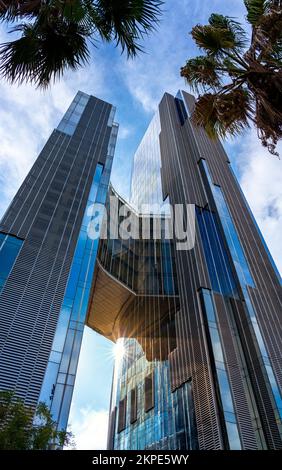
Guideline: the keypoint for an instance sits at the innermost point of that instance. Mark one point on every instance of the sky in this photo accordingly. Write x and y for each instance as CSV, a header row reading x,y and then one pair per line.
x,y
135,86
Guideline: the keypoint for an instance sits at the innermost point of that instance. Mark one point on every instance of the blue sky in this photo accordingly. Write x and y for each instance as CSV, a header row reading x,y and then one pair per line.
x,y
27,117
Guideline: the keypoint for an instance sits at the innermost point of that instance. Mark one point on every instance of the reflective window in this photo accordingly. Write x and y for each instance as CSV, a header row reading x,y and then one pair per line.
x,y
181,108
72,116
9,250
229,230
69,331
168,424
221,374
218,263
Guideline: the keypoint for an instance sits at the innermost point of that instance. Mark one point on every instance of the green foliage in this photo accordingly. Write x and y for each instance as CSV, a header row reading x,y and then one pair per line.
x,y
201,72
240,84
256,9
55,35
22,429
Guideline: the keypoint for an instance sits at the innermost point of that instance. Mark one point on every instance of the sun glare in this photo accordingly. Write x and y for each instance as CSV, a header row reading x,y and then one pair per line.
x,y
118,350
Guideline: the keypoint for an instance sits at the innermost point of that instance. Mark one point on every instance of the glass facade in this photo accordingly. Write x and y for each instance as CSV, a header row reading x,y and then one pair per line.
x,y
163,389
146,183
181,108
162,419
72,117
198,368
145,265
218,263
221,372
245,279
60,374
10,246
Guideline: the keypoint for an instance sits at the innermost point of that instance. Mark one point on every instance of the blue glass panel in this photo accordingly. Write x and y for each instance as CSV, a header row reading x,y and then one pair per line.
x,y
233,436
72,116
2,238
216,345
49,382
181,108
57,400
221,374
71,322
73,280
9,250
65,407
225,392
209,307
75,353
67,351
55,356
218,263
80,246
61,330
8,255
232,237
275,388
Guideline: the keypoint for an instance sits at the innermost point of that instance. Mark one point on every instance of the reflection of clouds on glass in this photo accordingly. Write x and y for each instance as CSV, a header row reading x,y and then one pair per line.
x,y
146,187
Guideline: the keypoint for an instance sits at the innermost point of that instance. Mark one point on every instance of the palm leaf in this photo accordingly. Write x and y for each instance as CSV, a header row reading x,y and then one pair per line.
x,y
42,53
232,28
222,114
11,10
256,9
126,22
200,72
221,34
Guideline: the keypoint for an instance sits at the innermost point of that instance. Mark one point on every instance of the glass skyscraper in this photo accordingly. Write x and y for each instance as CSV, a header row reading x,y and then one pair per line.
x,y
201,363
199,329
47,260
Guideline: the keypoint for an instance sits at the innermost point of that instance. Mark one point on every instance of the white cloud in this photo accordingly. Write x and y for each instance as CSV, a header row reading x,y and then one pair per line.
x,y
261,181
124,131
27,117
150,75
89,428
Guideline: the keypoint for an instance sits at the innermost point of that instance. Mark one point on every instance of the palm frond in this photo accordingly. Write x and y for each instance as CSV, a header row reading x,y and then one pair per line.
x,y
12,10
256,9
201,72
215,40
222,114
232,27
127,22
42,53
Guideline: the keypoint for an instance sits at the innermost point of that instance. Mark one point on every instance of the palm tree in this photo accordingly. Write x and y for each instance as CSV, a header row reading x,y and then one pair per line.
x,y
54,35
239,79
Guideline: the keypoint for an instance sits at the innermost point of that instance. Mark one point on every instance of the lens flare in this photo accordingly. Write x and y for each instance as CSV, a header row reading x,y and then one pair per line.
x,y
118,351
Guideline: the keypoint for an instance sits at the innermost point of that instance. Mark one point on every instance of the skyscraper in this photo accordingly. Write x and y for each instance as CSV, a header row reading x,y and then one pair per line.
x,y
47,261
198,329
202,355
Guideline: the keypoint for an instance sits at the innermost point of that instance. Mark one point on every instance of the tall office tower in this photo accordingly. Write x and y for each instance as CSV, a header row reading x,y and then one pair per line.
x,y
201,358
47,260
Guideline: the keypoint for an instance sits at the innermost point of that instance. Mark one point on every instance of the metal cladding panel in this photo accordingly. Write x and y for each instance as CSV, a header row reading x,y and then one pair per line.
x,y
267,295
182,146
47,213
259,384
184,185
237,374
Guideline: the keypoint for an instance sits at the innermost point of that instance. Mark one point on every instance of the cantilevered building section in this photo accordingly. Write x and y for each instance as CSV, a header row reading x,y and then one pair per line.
x,y
47,260
201,366
200,328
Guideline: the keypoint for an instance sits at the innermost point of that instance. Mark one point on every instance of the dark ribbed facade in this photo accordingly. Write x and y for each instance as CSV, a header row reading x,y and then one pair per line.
x,y
226,345
199,328
40,326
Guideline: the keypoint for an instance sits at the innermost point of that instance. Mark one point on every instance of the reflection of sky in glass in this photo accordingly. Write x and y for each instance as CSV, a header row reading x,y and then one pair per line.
x,y
146,186
222,377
